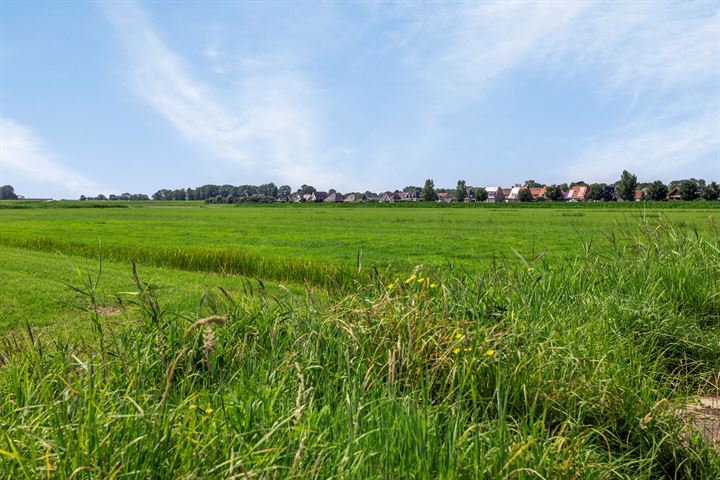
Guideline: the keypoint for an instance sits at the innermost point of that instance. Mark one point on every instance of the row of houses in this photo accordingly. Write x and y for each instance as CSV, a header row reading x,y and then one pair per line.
x,y
495,194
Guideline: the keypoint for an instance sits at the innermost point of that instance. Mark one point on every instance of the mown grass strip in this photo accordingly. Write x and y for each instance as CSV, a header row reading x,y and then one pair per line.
x,y
217,260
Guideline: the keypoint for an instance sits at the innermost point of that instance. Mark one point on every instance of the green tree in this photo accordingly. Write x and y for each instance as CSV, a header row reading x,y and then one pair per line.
x,y
532,184
657,191
268,189
225,190
7,192
180,194
625,187
285,190
460,191
554,193
481,194
306,189
689,190
596,192
711,192
428,192
524,195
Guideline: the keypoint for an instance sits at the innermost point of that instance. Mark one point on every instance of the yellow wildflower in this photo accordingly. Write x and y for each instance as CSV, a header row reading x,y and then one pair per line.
x,y
390,286
467,349
421,280
458,336
193,407
456,351
490,352
208,410
411,278
432,285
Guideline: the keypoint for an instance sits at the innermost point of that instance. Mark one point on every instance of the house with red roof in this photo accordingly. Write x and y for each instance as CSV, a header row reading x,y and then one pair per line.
x,y
640,194
538,193
577,193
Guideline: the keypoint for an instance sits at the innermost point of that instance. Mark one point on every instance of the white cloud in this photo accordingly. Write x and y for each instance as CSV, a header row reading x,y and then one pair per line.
x,y
269,127
630,45
653,152
26,164
662,57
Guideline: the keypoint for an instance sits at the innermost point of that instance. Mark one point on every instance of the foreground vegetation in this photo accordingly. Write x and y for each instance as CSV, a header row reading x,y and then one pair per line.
x,y
529,369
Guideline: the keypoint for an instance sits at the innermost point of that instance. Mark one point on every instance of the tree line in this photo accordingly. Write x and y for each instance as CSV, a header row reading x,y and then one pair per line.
x,y
122,196
624,188
226,193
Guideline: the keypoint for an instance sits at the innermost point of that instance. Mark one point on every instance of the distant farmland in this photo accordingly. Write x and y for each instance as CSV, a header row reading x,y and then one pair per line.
x,y
383,235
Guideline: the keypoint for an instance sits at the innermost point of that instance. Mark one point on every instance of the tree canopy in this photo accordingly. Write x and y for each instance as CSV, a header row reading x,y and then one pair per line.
x,y
481,194
554,193
7,192
524,195
689,189
711,192
657,191
625,187
428,192
460,191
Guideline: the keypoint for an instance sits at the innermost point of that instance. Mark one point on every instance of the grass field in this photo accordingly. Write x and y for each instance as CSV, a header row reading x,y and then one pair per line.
x,y
34,290
384,235
488,343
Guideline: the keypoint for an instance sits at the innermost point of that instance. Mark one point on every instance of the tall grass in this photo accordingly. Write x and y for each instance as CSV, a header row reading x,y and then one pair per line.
x,y
530,370
216,259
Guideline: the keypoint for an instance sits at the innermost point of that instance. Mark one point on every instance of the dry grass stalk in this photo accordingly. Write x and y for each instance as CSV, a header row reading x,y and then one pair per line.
x,y
205,321
391,367
171,373
209,343
209,340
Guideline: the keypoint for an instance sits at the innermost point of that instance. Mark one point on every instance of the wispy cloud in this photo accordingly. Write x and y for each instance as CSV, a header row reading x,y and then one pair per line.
x,y
646,46
475,43
660,57
25,163
269,127
653,151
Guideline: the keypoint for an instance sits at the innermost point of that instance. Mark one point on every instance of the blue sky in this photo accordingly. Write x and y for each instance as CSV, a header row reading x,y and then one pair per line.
x,y
135,96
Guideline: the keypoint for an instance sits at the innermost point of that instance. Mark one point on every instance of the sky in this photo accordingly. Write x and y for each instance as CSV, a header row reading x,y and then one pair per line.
x,y
129,96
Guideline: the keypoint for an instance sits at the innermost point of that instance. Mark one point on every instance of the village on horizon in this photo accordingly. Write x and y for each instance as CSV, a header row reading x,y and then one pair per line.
x,y
627,188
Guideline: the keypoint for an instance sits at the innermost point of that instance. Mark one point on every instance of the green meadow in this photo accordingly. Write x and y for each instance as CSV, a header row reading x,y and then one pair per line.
x,y
183,340
383,235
